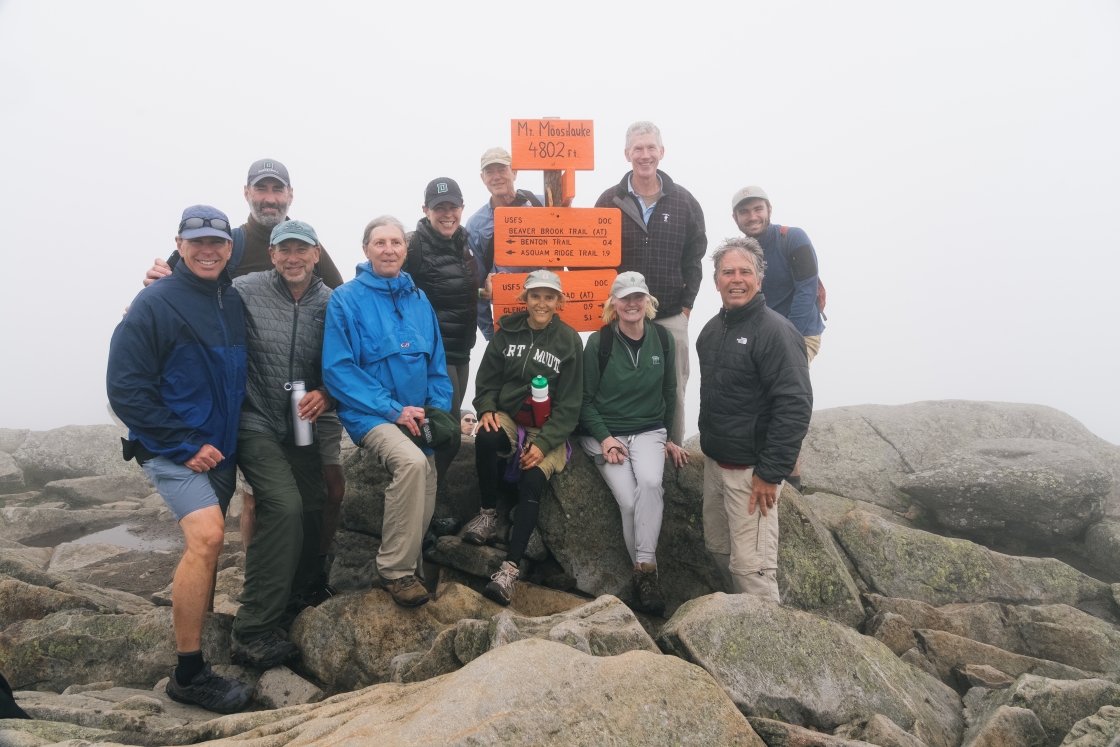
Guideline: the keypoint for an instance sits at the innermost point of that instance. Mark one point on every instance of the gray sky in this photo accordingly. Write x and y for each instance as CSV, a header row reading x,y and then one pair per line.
x,y
954,163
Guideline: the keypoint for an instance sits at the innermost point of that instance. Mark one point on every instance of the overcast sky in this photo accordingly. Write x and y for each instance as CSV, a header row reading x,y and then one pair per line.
x,y
954,163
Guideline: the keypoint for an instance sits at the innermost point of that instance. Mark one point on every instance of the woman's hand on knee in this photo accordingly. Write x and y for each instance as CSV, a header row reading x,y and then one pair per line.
x,y
676,453
488,421
614,452
532,457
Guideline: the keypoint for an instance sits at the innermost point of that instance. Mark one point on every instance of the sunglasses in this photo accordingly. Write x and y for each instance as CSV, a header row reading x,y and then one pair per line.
x,y
469,420
193,223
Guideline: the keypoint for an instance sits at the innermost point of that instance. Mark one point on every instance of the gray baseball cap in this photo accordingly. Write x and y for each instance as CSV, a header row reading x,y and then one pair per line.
x,y
294,229
268,167
543,279
629,283
203,220
748,193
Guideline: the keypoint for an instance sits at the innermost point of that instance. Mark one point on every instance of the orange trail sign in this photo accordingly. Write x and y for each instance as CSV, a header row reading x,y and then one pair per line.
x,y
585,290
585,316
557,237
552,144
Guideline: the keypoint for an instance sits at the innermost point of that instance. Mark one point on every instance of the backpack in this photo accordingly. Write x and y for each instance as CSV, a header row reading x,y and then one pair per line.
x,y
606,343
821,294
524,197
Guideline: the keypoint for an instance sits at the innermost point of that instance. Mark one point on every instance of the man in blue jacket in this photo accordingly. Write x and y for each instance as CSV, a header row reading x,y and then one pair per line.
x,y
176,378
383,362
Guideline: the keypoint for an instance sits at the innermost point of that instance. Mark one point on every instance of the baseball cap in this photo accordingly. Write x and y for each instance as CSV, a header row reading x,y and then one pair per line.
x,y
442,190
294,229
268,167
206,213
440,431
496,155
543,279
747,193
629,283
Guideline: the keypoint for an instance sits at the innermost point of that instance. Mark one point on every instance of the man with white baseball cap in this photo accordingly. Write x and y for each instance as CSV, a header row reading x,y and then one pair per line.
x,y
498,178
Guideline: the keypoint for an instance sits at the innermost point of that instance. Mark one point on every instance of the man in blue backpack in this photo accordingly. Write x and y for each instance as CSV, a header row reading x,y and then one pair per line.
x,y
176,378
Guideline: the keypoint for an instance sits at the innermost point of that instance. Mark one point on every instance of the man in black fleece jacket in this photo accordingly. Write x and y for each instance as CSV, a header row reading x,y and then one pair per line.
x,y
755,406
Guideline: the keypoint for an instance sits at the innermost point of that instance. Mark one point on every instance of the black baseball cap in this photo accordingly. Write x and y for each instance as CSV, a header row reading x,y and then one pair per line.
x,y
268,167
443,190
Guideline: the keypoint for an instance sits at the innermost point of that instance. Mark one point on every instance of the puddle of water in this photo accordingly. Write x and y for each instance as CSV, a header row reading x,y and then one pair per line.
x,y
120,535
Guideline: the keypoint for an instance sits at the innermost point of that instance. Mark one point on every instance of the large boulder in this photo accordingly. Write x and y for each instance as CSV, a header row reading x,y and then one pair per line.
x,y
11,476
530,692
76,647
898,561
27,522
1004,726
951,653
85,492
1102,546
806,670
867,452
1040,491
23,601
1099,730
1059,704
73,451
1056,632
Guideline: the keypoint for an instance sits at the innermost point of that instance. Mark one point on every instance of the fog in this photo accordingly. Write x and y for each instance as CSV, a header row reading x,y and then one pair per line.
x,y
955,164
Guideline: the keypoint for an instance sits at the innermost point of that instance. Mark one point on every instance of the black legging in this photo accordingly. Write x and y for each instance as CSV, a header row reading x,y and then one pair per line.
x,y
487,446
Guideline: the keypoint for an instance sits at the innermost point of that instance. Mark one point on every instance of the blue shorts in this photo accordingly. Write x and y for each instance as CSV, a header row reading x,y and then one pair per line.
x,y
186,491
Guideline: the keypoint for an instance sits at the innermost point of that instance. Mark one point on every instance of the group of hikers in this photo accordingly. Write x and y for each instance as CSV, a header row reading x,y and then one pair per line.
x,y
247,334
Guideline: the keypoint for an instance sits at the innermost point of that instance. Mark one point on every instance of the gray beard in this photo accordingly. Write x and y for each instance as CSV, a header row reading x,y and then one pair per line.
x,y
269,221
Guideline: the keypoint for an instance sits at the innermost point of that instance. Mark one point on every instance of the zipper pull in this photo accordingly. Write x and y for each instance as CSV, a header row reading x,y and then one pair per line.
x,y
220,298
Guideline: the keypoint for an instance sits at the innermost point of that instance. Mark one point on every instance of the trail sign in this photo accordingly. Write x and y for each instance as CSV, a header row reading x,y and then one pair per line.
x,y
552,144
578,285
585,316
558,237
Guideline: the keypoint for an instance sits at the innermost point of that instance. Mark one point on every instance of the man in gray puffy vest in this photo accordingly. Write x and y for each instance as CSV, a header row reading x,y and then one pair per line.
x,y
285,310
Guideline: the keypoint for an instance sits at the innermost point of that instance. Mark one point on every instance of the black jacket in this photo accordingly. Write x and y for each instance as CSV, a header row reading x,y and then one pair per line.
x,y
445,270
755,395
667,251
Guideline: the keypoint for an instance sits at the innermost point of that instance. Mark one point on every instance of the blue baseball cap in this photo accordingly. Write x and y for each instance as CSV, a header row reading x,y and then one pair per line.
x,y
203,220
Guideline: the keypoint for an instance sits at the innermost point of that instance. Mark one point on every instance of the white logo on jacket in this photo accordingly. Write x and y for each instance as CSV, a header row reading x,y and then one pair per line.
x,y
741,340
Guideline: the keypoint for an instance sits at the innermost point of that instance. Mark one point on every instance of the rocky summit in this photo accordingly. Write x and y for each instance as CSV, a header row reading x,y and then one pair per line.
x,y
950,577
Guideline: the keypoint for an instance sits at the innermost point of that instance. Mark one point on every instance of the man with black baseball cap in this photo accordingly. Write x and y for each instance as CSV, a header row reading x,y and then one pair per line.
x,y
268,190
442,265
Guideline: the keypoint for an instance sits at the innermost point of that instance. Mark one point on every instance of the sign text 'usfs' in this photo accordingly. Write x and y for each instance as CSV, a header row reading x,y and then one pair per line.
x,y
557,237
552,144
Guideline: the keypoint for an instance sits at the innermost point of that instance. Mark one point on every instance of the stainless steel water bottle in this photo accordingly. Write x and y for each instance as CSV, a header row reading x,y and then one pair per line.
x,y
300,427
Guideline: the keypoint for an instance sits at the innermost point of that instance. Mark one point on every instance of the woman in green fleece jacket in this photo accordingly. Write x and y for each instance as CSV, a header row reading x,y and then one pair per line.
x,y
527,344
629,395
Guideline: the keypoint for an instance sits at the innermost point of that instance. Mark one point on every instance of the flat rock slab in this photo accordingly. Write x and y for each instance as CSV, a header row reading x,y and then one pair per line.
x,y
70,556
280,687
73,451
529,692
897,561
781,734
948,653
806,670
26,522
477,560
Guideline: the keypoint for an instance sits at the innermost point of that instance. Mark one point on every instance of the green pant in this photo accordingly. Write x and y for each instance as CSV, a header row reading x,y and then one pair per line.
x,y
289,489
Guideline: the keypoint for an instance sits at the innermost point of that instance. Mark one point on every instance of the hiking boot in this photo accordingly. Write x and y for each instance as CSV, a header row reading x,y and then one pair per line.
x,y
649,597
211,691
265,652
482,529
407,591
502,583
443,527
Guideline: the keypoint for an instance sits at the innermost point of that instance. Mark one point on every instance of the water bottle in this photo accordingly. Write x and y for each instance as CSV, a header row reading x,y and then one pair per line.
x,y
300,427
537,406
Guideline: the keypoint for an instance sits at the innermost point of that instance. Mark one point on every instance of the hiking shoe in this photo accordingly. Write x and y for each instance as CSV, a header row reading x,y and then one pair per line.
x,y
482,529
211,691
443,527
265,652
502,583
407,591
319,593
649,597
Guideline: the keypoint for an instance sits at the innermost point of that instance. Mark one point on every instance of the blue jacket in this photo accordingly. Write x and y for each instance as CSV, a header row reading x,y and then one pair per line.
x,y
382,351
790,282
177,366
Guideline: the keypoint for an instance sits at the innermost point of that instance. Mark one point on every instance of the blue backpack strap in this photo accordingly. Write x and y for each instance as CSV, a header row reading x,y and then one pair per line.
x,y
238,249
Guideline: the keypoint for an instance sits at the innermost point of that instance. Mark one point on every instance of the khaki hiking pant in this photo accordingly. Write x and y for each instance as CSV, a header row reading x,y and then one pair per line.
x,y
410,500
743,545
812,347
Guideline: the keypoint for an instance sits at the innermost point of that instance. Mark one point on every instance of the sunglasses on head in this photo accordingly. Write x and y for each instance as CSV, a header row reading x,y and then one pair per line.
x,y
193,223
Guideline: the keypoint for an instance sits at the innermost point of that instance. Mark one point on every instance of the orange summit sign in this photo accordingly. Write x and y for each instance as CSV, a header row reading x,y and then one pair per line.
x,y
558,237
552,144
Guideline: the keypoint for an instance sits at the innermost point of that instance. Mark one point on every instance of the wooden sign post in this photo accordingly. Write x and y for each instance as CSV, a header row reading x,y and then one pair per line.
x,y
553,236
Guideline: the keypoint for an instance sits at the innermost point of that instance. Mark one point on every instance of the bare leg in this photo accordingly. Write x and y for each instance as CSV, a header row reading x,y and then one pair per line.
x,y
796,467
194,578
332,509
248,518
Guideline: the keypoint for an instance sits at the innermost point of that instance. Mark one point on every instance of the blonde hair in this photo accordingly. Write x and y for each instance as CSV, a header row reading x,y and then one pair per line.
x,y
609,313
523,296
